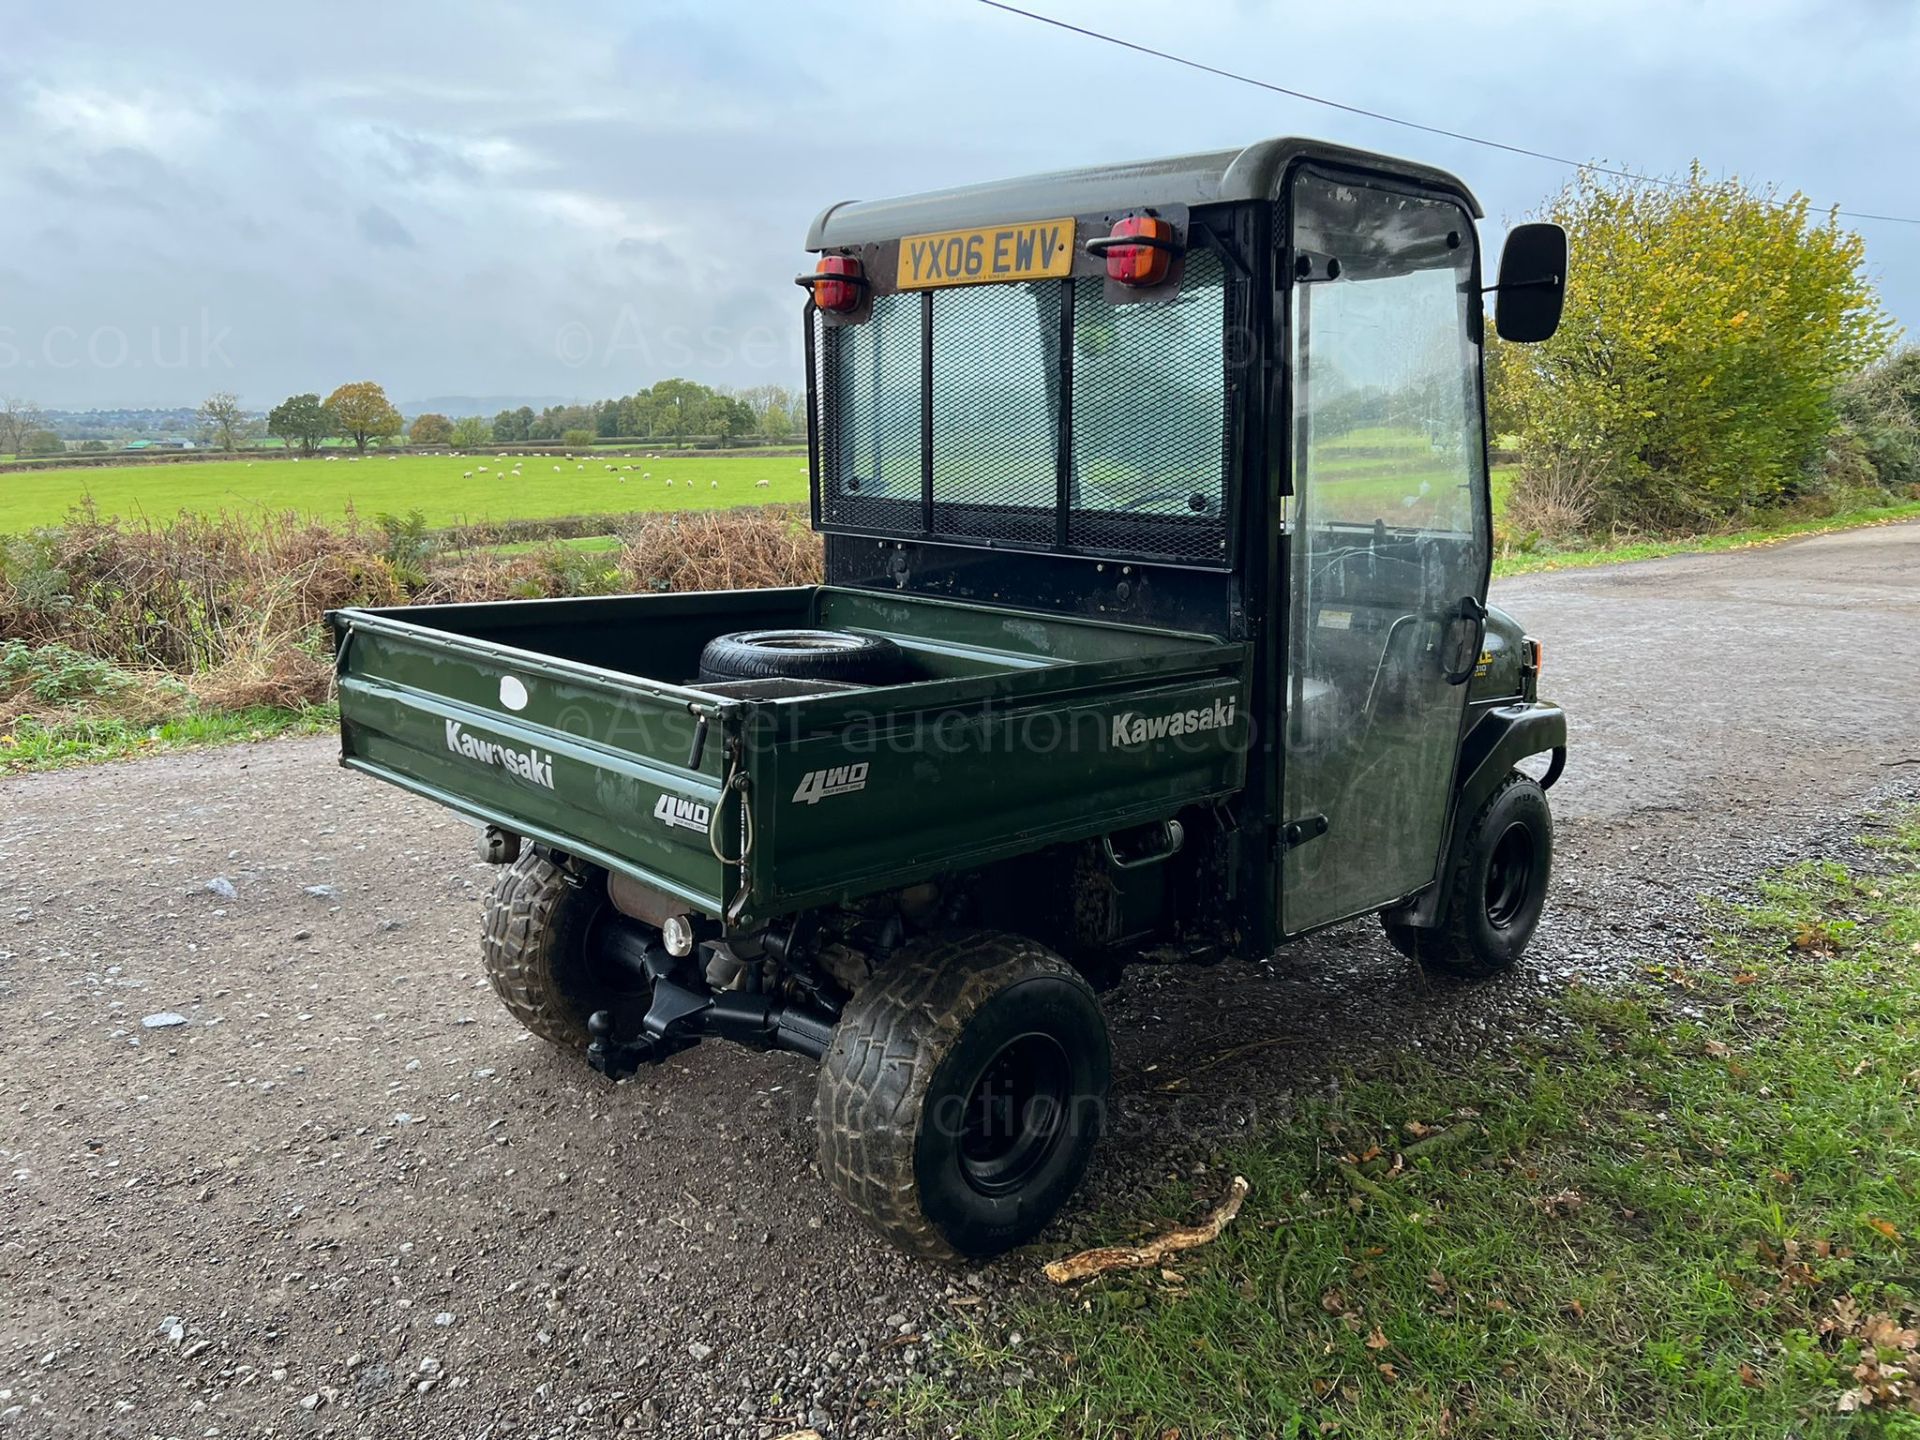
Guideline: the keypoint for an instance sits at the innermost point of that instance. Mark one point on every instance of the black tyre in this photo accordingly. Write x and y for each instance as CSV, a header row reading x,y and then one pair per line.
x,y
963,1093
1498,888
802,655
536,949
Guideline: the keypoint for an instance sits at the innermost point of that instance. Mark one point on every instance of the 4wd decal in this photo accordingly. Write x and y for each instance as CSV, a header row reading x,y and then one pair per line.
x,y
530,764
674,811
818,785
1132,728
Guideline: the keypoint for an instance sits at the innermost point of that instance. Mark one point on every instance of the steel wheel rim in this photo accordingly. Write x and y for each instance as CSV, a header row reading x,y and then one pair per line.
x,y
1015,1114
1509,875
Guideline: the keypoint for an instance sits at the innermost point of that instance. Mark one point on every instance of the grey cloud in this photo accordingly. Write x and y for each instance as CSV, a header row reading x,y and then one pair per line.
x,y
430,214
378,226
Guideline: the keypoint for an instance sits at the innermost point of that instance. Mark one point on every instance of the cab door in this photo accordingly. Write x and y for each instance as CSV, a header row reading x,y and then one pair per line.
x,y
1388,539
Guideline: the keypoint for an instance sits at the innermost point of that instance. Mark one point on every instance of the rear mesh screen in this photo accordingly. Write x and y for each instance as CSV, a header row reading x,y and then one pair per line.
x,y
996,362
1150,420
1143,384
870,411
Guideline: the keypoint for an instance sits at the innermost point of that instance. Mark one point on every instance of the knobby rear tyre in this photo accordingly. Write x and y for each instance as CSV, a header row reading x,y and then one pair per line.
x,y
534,945
963,1094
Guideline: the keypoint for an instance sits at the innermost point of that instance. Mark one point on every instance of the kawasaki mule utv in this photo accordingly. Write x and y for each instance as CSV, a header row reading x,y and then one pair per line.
x,y
1156,530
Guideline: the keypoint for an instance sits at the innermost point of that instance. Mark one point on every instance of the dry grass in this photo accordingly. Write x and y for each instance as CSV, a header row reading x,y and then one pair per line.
x,y
721,550
223,612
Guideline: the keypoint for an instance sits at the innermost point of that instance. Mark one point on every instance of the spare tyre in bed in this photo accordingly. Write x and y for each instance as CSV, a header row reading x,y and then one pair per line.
x,y
803,655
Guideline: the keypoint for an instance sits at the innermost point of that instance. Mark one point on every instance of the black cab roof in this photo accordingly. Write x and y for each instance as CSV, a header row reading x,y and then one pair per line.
x,y
1211,177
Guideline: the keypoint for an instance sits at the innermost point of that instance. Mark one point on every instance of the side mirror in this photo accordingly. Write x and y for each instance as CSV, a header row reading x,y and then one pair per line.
x,y
1533,283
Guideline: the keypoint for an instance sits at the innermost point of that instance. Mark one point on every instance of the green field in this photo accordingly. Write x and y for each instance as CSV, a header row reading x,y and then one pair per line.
x,y
446,489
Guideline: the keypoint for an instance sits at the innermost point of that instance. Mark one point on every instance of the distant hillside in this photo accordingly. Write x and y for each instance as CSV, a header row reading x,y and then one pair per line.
x,y
122,424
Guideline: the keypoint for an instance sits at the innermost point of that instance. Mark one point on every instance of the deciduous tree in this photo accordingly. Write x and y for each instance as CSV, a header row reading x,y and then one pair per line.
x,y
430,429
471,430
512,426
222,419
364,413
17,418
301,420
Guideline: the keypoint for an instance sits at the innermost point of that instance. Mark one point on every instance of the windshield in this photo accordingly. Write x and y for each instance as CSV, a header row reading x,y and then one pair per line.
x,y
1037,413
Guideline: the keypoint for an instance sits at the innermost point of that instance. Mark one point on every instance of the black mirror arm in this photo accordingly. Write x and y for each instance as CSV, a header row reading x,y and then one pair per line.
x,y
1545,281
1470,609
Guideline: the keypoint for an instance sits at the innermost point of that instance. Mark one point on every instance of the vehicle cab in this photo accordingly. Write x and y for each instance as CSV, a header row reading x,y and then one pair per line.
x,y
1237,393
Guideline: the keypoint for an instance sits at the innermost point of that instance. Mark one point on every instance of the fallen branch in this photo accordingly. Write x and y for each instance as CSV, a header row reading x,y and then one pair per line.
x,y
1431,1145
1089,1263
1351,1174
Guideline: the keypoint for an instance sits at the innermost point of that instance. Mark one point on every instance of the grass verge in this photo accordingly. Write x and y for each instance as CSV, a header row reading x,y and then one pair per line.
x,y
1691,1211
1530,562
40,743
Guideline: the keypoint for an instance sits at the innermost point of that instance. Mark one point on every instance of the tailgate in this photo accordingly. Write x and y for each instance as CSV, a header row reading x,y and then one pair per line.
x,y
859,808
554,750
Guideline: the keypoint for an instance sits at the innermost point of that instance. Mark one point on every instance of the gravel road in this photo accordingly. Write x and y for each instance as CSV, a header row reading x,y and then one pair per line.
x,y
347,1196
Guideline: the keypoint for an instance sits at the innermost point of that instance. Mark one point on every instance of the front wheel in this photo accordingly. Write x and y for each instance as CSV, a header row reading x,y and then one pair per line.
x,y
963,1092
1497,890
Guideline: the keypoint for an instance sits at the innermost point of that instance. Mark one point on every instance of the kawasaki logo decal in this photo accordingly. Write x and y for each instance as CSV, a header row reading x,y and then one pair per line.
x,y
1131,728
671,811
529,764
817,785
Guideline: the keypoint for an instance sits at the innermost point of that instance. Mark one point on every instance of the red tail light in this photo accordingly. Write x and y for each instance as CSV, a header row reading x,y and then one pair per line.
x,y
1139,251
836,283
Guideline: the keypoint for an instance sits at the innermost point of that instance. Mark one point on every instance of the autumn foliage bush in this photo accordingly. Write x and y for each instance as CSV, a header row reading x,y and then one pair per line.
x,y
1708,332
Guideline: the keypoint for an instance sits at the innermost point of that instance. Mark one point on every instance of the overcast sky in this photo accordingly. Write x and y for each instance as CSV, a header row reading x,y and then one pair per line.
x,y
575,200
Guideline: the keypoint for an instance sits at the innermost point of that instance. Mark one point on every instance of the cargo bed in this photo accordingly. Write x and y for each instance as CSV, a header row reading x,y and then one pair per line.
x,y
578,724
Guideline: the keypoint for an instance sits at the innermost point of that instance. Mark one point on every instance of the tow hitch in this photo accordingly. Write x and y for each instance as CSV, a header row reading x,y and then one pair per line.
x,y
684,1010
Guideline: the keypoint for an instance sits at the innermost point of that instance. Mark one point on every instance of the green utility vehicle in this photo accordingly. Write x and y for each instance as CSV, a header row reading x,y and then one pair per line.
x,y
1156,532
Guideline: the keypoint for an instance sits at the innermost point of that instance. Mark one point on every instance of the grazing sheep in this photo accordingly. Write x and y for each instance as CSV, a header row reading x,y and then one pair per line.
x,y
761,484
669,484
466,474
483,469
556,469
646,474
713,484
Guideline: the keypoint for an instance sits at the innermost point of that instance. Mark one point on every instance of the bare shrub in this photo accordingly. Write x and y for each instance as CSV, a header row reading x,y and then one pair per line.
x,y
1556,497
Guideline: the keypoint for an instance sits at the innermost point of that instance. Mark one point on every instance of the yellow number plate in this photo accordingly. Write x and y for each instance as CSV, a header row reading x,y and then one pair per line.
x,y
1035,250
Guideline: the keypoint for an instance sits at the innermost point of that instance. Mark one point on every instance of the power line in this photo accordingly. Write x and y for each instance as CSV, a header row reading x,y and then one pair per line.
x,y
1376,114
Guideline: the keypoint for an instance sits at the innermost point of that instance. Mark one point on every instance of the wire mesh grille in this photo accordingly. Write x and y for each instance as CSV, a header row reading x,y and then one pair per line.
x,y
869,395
996,387
1150,420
